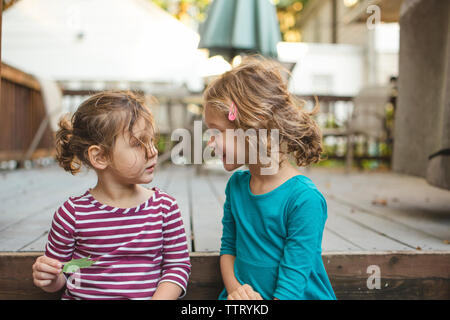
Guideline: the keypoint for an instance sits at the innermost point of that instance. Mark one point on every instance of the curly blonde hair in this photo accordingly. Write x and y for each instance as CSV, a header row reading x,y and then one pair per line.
x,y
98,121
263,101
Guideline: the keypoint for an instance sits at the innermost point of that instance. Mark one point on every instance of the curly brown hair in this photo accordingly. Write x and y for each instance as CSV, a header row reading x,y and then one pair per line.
x,y
263,101
98,121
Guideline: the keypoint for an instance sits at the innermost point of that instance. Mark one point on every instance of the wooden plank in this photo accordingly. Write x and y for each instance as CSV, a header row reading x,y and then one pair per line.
x,y
423,221
38,153
205,282
408,200
25,183
22,111
16,279
30,228
362,229
366,238
403,275
19,77
25,233
332,241
27,209
40,182
206,215
9,4
174,181
37,244
1,18
324,98
42,200
178,188
412,237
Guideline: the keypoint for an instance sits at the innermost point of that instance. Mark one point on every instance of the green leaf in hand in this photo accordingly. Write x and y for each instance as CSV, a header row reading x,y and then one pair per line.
x,y
76,264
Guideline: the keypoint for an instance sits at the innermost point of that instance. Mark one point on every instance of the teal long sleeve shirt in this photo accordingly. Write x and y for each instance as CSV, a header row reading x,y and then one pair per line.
x,y
276,238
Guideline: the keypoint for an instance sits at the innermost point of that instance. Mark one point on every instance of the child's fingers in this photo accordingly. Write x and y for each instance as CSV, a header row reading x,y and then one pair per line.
x,y
44,276
252,294
243,294
238,296
42,283
46,264
255,296
235,295
49,261
42,267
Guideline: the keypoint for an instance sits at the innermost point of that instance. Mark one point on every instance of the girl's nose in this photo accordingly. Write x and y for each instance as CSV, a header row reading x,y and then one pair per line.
x,y
152,151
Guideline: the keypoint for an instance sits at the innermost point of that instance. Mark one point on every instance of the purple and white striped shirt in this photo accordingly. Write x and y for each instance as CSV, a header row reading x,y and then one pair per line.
x,y
135,249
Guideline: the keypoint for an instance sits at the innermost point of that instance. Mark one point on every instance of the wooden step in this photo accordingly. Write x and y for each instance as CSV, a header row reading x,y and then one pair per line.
x,y
403,275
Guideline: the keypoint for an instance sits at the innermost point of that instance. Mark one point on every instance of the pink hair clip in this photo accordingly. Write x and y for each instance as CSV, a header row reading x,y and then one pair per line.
x,y
232,113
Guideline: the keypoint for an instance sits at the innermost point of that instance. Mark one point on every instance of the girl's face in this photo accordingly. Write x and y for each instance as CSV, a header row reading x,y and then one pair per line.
x,y
214,120
129,163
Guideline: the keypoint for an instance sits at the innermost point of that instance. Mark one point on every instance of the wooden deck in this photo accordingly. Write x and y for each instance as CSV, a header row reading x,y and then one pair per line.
x,y
370,212
397,223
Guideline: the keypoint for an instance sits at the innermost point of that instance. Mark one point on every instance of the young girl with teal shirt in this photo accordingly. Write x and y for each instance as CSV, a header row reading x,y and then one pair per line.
x,y
274,216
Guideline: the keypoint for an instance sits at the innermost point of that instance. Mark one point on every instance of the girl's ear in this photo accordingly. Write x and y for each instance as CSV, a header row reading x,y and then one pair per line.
x,y
97,157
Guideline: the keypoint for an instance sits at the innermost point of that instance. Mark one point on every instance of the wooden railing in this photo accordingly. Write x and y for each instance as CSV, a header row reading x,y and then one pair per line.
x,y
22,113
350,146
17,137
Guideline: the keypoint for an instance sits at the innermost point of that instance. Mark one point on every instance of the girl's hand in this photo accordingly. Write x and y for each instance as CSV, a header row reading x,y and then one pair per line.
x,y
46,273
244,292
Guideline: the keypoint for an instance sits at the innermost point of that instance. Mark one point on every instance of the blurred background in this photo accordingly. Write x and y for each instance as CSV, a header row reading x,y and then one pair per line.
x,y
168,49
379,69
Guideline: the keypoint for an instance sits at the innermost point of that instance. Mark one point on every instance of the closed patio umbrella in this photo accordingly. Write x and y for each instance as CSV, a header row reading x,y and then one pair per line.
x,y
241,26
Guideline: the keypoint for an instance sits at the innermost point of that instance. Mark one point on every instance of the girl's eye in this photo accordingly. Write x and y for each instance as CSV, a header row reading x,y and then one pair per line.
x,y
144,142
135,143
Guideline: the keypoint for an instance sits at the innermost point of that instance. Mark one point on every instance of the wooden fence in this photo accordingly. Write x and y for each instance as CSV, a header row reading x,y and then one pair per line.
x,y
21,114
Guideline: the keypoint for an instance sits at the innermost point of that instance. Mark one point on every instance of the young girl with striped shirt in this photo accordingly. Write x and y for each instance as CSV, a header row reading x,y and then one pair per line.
x,y
134,234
